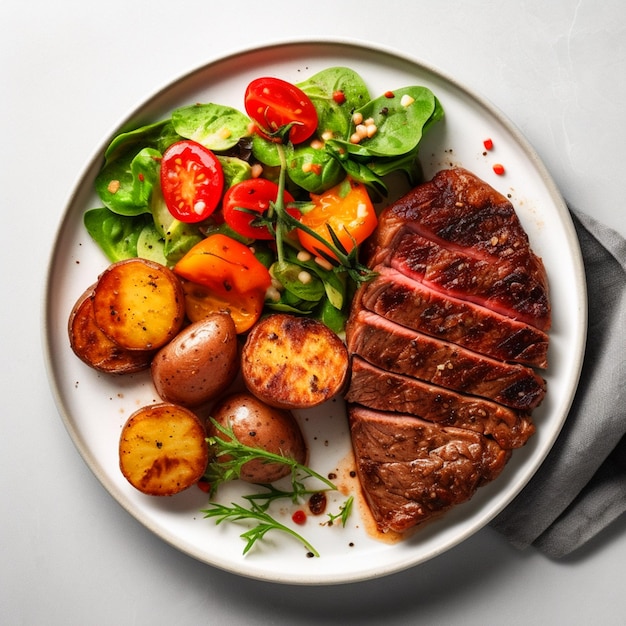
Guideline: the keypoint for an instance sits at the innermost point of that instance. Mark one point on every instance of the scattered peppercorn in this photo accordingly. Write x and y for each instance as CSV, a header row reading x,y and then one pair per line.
x,y
317,503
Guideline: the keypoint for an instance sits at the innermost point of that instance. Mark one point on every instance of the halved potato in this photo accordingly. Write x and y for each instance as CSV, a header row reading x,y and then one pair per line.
x,y
139,304
94,348
163,449
293,362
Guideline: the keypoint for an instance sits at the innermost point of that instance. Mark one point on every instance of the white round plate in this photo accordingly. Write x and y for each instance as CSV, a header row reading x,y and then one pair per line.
x,y
94,406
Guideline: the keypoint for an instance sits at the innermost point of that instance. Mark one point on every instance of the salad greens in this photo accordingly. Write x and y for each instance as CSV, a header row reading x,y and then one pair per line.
x,y
133,219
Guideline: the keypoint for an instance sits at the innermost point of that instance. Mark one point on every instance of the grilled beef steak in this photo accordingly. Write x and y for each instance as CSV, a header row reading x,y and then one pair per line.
x,y
411,470
443,344
417,306
462,237
375,388
398,349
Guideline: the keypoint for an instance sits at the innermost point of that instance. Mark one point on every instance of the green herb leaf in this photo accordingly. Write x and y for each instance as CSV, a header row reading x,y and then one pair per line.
x,y
265,523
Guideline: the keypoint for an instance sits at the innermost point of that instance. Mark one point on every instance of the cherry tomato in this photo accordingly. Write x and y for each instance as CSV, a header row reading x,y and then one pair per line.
x,y
254,194
347,209
192,181
225,266
273,103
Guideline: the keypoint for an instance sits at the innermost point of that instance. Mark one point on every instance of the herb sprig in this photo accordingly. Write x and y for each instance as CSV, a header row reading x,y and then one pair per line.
x,y
229,456
265,522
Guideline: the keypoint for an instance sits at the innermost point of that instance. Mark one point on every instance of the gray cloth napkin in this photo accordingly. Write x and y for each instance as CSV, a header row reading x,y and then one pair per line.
x,y
581,486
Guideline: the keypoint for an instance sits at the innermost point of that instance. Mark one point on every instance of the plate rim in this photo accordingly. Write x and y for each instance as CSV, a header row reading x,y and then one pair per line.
x,y
354,45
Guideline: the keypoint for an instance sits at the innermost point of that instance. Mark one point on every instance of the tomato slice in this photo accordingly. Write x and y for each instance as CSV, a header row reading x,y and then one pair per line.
x,y
273,103
192,181
224,265
347,209
254,194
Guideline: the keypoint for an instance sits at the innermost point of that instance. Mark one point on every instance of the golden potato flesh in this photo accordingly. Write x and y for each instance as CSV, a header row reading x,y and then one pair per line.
x,y
139,304
94,348
293,362
163,449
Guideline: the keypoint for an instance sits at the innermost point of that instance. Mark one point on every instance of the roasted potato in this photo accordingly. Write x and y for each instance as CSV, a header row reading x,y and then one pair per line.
x,y
139,304
94,348
163,449
199,363
259,425
293,362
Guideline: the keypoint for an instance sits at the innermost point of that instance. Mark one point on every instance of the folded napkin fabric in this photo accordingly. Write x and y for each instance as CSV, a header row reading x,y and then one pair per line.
x,y
581,486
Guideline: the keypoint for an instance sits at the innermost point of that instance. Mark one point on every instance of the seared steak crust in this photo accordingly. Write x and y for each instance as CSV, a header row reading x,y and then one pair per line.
x,y
415,305
411,470
461,236
375,388
398,349
442,346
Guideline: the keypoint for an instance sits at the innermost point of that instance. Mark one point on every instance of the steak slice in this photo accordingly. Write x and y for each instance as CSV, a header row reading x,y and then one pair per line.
x,y
376,389
415,305
412,470
460,235
395,348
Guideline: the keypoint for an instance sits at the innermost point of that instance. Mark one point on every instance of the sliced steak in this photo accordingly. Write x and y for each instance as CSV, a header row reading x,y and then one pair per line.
x,y
395,348
376,389
443,343
412,470
461,236
415,305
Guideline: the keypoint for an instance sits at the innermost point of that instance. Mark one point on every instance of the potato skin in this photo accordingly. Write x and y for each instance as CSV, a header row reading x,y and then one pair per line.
x,y
163,449
259,425
294,362
199,363
94,348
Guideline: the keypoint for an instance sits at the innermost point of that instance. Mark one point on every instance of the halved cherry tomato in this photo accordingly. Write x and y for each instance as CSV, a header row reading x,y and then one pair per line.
x,y
192,181
245,309
254,194
347,209
224,265
273,103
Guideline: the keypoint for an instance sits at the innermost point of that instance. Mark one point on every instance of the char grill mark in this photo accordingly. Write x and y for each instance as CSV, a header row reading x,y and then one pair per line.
x,y
441,342
415,305
398,349
375,388
507,287
460,236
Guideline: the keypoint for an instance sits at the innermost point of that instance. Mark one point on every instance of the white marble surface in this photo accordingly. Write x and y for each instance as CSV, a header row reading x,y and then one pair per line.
x,y
70,71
